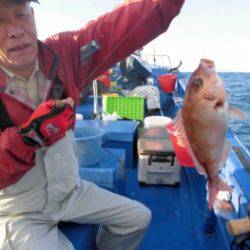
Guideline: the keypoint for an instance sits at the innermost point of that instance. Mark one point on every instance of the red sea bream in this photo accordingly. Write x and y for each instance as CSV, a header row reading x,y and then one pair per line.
x,y
202,124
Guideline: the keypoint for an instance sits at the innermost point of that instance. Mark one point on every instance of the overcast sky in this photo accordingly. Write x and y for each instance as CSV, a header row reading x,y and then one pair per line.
x,y
215,29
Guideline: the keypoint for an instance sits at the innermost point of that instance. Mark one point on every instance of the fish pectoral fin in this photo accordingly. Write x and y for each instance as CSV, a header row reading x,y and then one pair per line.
x,y
179,129
200,169
182,137
225,154
236,114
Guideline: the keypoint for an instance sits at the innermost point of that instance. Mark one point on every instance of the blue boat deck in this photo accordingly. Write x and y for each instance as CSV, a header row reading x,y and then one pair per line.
x,y
179,214
180,218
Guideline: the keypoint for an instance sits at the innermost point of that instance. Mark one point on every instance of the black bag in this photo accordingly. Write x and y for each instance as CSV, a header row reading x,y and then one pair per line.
x,y
139,66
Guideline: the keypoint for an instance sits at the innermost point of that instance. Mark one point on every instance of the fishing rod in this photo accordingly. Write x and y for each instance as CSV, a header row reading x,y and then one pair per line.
x,y
95,112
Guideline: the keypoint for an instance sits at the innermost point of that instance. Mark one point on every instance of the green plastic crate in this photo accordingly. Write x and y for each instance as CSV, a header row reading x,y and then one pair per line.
x,y
129,107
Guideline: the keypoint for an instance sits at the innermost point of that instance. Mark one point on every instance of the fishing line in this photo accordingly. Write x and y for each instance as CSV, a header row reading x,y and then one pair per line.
x,y
185,79
197,209
204,214
181,220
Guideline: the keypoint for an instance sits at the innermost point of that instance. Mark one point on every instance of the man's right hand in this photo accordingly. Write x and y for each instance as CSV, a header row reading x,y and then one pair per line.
x,y
49,122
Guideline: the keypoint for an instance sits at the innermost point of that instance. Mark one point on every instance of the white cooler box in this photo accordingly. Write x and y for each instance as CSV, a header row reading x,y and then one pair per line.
x,y
156,158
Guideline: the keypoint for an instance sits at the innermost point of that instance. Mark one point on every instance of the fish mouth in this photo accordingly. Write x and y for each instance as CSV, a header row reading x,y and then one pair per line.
x,y
208,65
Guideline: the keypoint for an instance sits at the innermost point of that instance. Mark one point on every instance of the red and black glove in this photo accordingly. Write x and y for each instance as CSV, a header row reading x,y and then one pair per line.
x,y
48,123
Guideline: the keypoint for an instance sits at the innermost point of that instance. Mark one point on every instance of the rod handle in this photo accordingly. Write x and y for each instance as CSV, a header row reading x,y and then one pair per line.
x,y
238,226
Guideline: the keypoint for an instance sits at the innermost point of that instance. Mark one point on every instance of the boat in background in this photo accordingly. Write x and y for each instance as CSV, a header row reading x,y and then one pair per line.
x,y
180,215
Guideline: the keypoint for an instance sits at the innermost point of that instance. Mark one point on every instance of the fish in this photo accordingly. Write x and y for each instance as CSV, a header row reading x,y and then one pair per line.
x,y
202,124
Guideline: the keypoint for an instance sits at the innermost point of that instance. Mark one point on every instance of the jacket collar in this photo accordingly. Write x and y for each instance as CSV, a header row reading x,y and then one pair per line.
x,y
48,61
3,80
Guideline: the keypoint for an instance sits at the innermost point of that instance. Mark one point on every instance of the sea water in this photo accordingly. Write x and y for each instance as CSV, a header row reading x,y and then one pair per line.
x,y
238,88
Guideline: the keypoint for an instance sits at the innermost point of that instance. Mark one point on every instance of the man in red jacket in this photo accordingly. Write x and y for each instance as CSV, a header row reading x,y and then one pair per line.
x,y
39,84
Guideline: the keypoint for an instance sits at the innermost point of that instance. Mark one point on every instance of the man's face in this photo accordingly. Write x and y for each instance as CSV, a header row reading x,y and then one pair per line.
x,y
18,36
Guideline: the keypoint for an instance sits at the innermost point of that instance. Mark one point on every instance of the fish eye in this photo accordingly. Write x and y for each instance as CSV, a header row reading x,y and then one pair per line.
x,y
198,81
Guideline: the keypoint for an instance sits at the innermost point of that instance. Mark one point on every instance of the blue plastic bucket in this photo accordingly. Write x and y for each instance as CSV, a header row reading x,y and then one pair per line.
x,y
88,142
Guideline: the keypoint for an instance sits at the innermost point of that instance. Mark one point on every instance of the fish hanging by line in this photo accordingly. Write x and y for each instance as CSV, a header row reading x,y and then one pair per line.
x,y
202,125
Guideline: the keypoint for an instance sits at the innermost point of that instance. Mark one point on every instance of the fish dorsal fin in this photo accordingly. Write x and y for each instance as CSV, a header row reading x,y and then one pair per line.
x,y
182,136
225,154
236,114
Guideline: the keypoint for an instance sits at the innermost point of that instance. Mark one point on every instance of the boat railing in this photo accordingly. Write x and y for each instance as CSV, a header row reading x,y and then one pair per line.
x,y
161,60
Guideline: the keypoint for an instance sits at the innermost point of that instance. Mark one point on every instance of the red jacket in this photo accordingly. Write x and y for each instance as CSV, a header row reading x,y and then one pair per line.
x,y
120,32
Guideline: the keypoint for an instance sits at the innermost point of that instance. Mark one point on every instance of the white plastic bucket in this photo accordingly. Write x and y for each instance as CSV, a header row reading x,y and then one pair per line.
x,y
79,117
156,121
88,142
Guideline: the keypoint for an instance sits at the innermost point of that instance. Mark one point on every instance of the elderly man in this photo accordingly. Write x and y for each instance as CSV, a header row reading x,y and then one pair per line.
x,y
39,84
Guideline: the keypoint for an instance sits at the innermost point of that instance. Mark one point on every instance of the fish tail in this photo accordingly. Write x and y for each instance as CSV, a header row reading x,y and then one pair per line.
x,y
215,185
